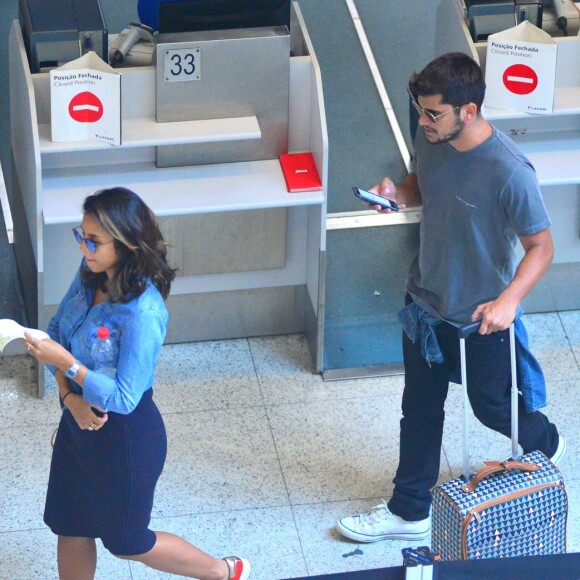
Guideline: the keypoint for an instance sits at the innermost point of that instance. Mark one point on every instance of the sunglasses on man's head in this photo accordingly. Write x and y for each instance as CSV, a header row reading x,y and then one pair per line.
x,y
90,244
431,116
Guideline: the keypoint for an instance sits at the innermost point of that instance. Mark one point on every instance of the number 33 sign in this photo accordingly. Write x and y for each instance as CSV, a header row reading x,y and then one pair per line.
x,y
182,64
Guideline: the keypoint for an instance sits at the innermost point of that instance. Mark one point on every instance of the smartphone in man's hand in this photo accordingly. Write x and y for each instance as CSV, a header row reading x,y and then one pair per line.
x,y
375,199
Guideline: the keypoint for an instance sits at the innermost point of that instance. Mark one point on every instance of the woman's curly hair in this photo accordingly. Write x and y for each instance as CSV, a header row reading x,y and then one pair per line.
x,y
138,241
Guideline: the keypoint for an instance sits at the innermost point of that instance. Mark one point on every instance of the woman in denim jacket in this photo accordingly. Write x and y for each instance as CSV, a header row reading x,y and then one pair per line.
x,y
111,443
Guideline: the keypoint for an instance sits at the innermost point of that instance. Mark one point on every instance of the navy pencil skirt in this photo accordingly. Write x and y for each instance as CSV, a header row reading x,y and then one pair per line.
x,y
102,482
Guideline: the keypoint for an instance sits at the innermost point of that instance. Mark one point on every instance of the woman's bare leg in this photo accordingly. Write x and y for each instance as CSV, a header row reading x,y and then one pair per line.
x,y
77,558
177,556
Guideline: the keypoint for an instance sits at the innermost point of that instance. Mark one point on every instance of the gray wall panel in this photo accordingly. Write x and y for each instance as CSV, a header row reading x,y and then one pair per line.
x,y
8,12
360,139
11,305
360,326
364,291
402,41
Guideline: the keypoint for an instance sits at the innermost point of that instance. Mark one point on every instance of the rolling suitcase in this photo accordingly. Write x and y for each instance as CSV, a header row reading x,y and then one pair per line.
x,y
510,508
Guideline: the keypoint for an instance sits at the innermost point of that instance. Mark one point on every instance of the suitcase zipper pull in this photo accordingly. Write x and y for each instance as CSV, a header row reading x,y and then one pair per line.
x,y
476,515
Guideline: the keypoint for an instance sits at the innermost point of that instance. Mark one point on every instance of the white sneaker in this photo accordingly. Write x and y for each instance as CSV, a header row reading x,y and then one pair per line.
x,y
381,524
560,451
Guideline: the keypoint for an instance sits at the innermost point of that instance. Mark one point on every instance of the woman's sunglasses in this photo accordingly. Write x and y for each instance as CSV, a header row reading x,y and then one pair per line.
x,y
91,246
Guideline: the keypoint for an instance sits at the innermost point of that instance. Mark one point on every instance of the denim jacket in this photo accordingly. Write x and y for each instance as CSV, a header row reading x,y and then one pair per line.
x,y
419,324
138,327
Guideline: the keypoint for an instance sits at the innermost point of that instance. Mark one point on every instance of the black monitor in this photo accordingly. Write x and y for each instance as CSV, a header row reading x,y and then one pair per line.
x,y
192,15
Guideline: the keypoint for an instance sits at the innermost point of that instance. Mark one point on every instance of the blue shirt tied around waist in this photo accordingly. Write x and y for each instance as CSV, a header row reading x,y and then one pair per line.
x,y
418,324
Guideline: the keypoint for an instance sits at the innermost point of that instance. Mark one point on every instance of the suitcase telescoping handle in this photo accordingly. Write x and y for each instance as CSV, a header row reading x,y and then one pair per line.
x,y
464,332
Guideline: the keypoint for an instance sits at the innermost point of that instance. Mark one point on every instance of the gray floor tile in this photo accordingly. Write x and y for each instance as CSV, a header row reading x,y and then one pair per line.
x,y
484,444
337,450
28,555
266,537
551,346
25,454
571,323
573,532
22,507
263,460
206,375
562,410
111,568
219,461
284,367
31,555
326,551
19,404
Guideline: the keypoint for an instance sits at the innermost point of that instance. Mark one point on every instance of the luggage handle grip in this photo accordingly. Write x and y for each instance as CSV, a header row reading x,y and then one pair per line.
x,y
467,329
496,467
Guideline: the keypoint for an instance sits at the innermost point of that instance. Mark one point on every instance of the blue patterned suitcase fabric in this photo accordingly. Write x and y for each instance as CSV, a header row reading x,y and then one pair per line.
x,y
510,513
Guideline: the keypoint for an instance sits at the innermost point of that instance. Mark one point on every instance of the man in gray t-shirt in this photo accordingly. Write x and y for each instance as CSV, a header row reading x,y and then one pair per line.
x,y
479,195
476,203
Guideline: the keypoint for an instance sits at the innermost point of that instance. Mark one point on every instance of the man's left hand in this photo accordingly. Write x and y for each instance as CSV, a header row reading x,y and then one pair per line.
x,y
495,315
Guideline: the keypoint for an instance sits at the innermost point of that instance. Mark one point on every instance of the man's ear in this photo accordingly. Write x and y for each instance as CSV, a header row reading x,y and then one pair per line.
x,y
470,112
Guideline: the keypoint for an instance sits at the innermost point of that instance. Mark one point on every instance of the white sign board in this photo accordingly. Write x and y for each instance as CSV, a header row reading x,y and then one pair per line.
x,y
85,101
520,70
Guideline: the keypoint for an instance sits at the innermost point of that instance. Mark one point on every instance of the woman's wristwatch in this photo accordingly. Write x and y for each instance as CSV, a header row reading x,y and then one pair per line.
x,y
73,370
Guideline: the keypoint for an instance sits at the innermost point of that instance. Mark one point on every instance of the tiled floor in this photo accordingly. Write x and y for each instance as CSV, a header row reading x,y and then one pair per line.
x,y
263,455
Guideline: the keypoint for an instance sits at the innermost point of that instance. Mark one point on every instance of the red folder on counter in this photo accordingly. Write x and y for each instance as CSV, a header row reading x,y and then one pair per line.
x,y
300,172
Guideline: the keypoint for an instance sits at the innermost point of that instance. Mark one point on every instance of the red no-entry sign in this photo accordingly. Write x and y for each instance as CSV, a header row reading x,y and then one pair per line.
x,y
520,79
85,108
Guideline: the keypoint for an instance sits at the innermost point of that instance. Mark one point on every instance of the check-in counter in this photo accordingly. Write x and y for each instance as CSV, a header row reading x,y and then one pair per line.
x,y
250,254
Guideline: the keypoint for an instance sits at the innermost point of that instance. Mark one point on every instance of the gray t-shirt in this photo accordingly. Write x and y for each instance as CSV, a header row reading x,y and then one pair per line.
x,y
475,205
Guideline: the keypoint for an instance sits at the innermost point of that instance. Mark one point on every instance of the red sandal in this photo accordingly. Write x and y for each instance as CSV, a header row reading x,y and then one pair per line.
x,y
239,568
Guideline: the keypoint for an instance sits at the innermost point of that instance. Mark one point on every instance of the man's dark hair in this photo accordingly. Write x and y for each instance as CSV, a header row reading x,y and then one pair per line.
x,y
455,76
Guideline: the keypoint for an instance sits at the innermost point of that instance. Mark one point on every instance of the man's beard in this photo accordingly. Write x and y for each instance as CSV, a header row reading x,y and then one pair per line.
x,y
455,132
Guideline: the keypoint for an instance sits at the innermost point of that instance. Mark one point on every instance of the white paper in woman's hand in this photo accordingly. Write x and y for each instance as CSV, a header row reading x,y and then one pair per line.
x,y
10,329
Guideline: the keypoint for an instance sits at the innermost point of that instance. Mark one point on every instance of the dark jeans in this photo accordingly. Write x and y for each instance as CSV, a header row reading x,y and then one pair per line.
x,y
489,383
